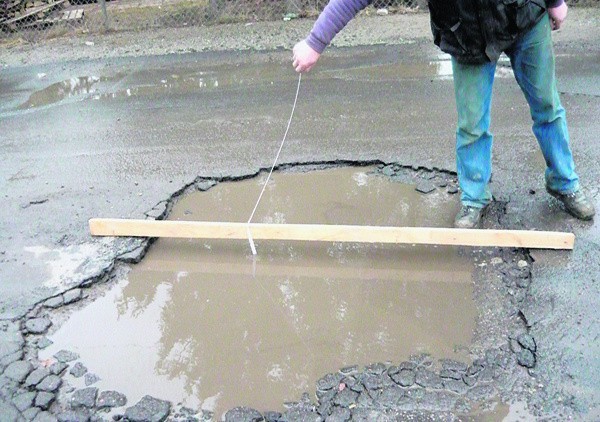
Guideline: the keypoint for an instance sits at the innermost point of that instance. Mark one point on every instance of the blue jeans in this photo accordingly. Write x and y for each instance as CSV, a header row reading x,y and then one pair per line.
x,y
532,61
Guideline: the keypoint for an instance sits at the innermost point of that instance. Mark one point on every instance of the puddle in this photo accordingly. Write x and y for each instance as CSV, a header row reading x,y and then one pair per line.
x,y
439,69
153,82
197,323
500,412
60,91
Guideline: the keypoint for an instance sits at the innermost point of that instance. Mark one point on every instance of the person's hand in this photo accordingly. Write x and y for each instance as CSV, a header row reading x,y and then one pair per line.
x,y
304,57
558,15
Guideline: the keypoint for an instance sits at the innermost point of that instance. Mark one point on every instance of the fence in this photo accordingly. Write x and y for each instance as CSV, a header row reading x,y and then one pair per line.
x,y
34,20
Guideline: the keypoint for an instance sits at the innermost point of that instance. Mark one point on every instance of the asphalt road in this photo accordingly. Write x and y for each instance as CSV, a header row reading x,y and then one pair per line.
x,y
114,137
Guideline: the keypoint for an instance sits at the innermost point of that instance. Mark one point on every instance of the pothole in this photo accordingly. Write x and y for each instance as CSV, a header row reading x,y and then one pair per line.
x,y
205,327
198,323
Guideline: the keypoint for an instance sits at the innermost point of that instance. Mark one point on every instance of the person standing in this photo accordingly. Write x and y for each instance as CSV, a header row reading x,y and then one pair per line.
x,y
475,33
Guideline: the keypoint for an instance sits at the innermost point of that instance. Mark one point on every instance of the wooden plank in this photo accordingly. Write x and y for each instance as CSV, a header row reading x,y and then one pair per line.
x,y
332,233
35,11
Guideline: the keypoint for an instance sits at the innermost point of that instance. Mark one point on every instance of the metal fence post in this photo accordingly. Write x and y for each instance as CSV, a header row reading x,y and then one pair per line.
x,y
104,13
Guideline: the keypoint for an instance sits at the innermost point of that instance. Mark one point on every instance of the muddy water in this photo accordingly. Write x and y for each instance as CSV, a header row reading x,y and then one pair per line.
x,y
197,322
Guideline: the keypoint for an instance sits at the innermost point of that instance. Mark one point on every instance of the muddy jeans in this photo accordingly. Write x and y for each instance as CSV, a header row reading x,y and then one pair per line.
x,y
532,61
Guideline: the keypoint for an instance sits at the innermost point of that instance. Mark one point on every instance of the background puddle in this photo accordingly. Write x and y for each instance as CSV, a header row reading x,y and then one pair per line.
x,y
197,323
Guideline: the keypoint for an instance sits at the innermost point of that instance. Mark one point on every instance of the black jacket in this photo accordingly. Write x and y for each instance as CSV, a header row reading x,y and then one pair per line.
x,y
477,31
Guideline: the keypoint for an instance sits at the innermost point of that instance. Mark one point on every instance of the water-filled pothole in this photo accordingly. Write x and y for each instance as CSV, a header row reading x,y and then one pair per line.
x,y
196,322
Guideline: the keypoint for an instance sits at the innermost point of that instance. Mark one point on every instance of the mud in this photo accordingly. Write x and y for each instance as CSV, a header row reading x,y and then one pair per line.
x,y
196,319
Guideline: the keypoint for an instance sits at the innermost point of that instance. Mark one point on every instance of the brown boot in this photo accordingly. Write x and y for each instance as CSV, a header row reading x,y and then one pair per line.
x,y
576,203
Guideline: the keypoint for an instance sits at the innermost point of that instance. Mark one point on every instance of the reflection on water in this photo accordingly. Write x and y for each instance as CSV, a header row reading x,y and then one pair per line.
x,y
153,82
61,90
200,323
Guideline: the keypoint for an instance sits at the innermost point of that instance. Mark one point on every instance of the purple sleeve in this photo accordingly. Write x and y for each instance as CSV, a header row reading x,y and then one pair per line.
x,y
332,20
554,3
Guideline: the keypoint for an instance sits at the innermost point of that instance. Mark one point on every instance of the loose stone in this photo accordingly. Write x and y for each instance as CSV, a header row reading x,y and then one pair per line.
x,y
204,185
148,409
44,399
522,264
38,325
36,377
329,381
372,382
376,368
78,370
496,260
50,383
86,397
388,170
526,358
425,187
111,399
44,342
18,371
24,401
345,398
405,378
58,368
241,414
452,190
65,356
72,296
91,379
326,395
54,302
528,342
428,379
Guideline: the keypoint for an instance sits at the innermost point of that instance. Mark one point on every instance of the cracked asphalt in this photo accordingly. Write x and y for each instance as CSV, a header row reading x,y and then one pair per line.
x,y
137,132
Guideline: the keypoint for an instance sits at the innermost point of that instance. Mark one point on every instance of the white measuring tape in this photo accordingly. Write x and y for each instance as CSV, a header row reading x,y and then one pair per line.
x,y
252,247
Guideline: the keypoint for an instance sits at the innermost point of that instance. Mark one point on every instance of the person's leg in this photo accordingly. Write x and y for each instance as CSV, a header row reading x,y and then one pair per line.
x,y
473,91
532,61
